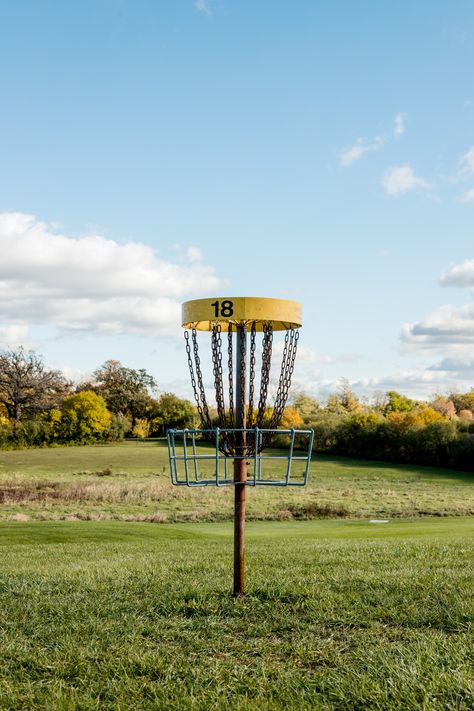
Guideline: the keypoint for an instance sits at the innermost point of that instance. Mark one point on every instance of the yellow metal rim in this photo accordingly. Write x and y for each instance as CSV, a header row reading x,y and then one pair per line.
x,y
202,314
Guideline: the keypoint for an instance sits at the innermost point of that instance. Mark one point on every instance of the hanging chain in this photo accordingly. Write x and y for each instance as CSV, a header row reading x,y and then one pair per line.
x,y
198,390
287,367
241,395
253,344
226,442
265,372
230,366
216,342
230,440
197,362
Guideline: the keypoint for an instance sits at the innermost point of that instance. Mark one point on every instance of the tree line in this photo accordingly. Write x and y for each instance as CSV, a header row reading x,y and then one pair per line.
x,y
393,428
39,406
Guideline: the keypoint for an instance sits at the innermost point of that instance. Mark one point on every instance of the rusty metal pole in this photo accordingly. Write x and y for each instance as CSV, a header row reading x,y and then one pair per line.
x,y
240,464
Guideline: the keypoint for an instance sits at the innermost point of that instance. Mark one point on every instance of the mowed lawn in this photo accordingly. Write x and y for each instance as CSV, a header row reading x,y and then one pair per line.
x,y
130,481
102,609
338,615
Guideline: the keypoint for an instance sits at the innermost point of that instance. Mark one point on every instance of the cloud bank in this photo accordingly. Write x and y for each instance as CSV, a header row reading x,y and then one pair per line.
x,y
91,283
447,327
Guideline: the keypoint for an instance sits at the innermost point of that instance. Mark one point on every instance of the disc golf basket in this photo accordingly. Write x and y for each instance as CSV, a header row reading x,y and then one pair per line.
x,y
233,453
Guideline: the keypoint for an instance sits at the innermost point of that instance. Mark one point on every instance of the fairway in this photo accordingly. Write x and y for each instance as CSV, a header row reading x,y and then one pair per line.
x,y
339,614
101,609
130,482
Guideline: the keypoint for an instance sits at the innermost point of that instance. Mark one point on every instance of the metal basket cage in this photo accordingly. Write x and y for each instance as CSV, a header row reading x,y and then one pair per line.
x,y
196,457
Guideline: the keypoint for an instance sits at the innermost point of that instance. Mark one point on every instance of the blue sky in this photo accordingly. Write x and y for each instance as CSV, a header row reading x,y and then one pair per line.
x,y
155,151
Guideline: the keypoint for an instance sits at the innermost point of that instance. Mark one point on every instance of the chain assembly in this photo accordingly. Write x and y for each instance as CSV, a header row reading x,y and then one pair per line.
x,y
252,414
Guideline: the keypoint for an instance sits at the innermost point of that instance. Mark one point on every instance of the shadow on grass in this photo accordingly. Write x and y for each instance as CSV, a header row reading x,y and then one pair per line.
x,y
351,463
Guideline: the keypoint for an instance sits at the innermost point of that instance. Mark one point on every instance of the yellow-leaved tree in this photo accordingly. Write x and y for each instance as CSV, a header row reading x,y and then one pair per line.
x,y
141,428
84,417
4,419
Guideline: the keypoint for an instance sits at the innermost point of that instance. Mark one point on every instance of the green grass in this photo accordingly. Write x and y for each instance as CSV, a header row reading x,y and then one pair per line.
x,y
340,614
130,481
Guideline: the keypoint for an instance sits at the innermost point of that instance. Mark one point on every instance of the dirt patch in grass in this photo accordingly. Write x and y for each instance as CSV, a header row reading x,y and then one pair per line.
x,y
314,510
101,472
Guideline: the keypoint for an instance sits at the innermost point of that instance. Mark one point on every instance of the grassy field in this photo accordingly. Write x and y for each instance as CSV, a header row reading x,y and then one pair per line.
x,y
339,615
130,481
101,610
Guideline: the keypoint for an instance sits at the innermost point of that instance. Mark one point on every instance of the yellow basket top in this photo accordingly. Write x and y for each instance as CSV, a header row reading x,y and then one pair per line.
x,y
202,314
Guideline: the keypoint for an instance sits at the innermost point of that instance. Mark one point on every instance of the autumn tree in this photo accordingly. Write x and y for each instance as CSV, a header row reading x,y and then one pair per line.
x,y
395,402
125,390
84,416
419,417
307,407
4,420
141,429
463,401
444,406
171,411
27,386
291,419
344,401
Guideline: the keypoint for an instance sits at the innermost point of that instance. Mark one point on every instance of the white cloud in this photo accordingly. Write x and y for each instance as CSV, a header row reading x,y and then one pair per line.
x,y
402,180
13,336
92,283
461,367
350,155
74,375
416,383
447,326
468,196
399,127
361,147
467,162
461,275
203,6
307,356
